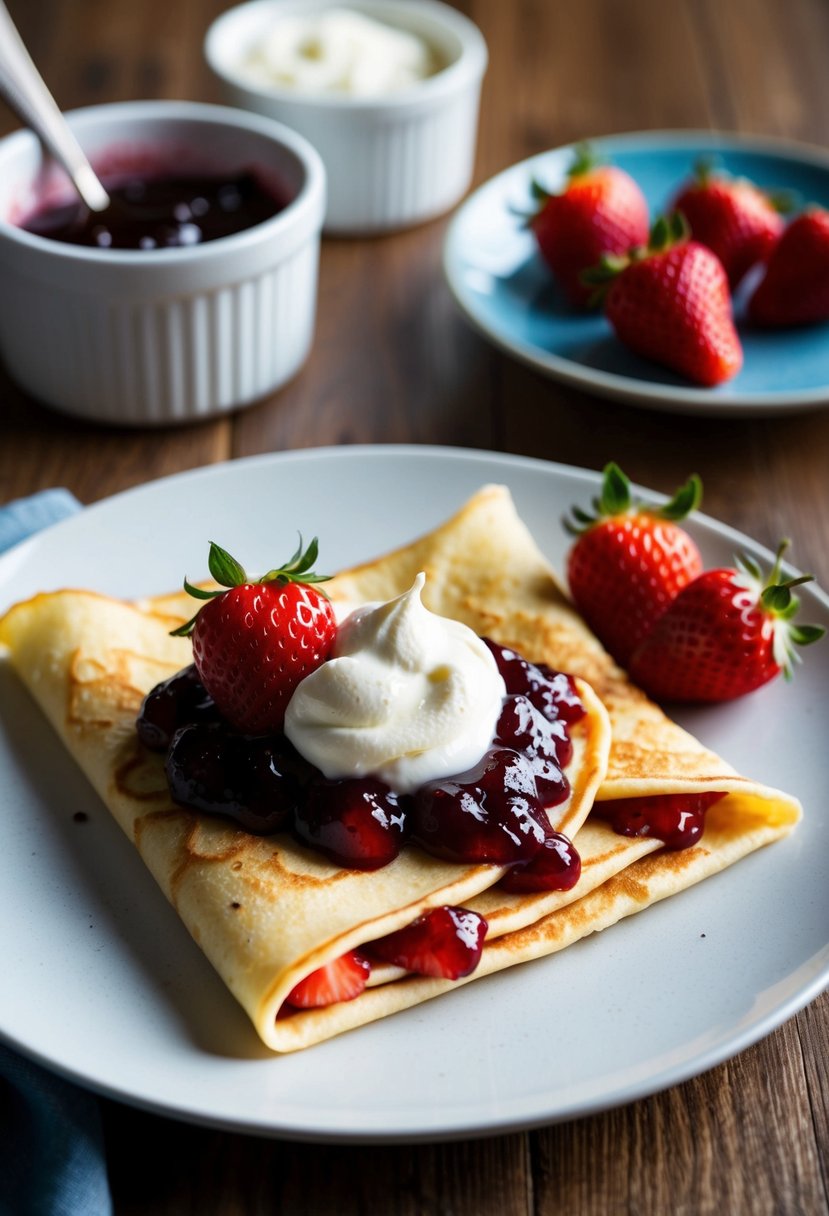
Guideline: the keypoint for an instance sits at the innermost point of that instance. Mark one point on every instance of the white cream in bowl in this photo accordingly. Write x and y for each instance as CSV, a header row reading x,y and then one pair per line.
x,y
338,51
394,156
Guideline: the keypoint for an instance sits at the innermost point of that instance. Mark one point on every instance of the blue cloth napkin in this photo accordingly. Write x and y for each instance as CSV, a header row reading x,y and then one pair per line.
x,y
25,516
52,1160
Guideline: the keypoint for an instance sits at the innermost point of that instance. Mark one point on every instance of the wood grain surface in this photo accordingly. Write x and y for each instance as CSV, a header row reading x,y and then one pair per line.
x,y
393,361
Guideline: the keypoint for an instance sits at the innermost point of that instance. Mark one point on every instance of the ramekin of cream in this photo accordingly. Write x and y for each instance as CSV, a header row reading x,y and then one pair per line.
x,y
387,91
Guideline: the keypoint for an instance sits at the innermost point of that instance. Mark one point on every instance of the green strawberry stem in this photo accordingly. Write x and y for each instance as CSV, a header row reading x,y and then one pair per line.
x,y
667,231
616,499
704,170
775,599
584,159
227,572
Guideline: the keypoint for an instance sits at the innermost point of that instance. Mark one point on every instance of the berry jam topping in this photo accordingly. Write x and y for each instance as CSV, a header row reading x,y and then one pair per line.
x,y
176,702
553,693
445,943
154,212
555,867
493,813
678,820
359,824
256,781
544,744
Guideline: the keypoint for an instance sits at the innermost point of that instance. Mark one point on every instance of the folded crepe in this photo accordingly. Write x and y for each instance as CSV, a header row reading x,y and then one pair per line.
x,y
266,911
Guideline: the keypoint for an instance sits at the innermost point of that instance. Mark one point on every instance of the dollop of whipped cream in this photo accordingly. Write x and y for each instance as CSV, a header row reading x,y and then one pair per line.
x,y
339,51
407,696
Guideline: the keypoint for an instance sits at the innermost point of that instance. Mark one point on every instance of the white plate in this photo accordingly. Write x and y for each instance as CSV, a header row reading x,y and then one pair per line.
x,y
108,988
501,284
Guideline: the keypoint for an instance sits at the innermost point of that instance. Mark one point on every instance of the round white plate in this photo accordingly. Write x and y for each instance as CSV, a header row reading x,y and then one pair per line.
x,y
104,985
502,285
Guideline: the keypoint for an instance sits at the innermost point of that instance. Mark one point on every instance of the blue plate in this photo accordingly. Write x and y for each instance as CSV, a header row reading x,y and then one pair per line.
x,y
504,288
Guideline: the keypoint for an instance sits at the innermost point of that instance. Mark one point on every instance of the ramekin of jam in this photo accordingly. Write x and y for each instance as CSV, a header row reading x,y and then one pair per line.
x,y
387,91
193,294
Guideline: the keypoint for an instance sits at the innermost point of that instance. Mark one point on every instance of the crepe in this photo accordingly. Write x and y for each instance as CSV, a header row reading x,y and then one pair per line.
x,y
265,910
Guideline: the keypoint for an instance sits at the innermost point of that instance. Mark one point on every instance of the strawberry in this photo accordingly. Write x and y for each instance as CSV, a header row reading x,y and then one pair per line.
x,y
255,641
341,980
630,560
669,301
733,217
795,287
728,632
446,943
600,210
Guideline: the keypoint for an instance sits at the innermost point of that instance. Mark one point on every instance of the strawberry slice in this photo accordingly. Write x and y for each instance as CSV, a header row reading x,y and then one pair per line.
x,y
341,980
445,943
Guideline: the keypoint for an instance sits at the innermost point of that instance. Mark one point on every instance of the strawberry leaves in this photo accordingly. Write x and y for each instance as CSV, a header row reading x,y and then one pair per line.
x,y
227,572
616,498
224,568
776,601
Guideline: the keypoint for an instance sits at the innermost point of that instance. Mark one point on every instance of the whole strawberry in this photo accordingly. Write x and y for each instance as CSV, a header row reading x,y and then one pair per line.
x,y
670,302
630,560
728,632
255,641
733,217
795,287
600,210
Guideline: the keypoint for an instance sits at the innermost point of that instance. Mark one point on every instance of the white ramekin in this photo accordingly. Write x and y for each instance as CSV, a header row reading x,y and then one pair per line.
x,y
392,161
148,338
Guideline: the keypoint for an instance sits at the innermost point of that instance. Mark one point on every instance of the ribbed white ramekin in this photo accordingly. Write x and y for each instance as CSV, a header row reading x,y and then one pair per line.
x,y
392,161
147,338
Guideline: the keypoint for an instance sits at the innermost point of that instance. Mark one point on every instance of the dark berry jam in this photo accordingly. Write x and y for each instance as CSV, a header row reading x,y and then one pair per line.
x,y
445,943
495,813
358,823
553,693
489,814
678,820
180,701
254,780
155,212
555,867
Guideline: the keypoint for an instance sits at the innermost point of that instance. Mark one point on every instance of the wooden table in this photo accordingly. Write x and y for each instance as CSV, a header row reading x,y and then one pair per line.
x,y
751,1136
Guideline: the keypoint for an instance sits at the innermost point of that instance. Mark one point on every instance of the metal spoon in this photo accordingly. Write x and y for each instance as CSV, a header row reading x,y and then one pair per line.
x,y
22,86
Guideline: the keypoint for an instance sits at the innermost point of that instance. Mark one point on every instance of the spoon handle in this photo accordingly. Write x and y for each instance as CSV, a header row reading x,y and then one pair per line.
x,y
22,86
